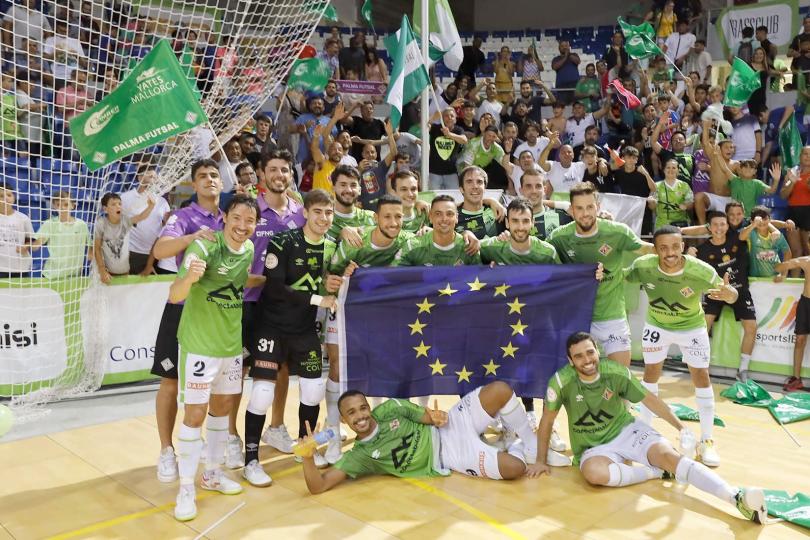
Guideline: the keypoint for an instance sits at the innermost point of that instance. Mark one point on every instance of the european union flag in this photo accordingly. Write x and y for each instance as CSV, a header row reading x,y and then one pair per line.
x,y
446,330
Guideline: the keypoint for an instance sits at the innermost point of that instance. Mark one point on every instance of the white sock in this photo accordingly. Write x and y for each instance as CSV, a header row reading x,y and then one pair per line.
x,y
691,472
216,433
188,453
745,360
332,395
646,414
422,401
627,475
705,407
514,416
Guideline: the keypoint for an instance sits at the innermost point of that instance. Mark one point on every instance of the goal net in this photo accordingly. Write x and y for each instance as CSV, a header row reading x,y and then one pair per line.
x,y
59,57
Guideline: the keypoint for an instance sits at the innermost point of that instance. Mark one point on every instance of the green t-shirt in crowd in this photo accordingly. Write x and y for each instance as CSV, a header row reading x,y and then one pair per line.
x,y
422,251
764,254
67,243
475,154
747,192
674,300
9,127
211,323
501,252
596,410
590,87
669,200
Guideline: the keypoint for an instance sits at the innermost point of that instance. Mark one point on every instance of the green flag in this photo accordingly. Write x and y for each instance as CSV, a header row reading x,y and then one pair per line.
x,y
310,74
639,41
444,38
682,412
330,13
792,508
365,11
791,408
790,143
324,7
741,84
153,103
408,75
748,393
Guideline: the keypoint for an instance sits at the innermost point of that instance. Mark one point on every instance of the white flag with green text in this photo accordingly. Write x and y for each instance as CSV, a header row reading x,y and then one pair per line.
x,y
408,75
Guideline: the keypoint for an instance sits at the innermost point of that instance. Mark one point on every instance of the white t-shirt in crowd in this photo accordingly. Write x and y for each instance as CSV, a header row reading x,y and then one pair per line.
x,y
536,150
679,44
66,52
143,235
227,171
575,129
492,107
744,137
114,243
517,175
348,160
698,62
26,23
562,179
14,229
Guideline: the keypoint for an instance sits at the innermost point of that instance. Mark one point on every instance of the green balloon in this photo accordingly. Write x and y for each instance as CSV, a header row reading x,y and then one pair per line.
x,y
6,419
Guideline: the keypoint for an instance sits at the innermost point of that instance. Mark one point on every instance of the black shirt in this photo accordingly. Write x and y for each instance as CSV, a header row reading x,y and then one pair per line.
x,y
731,257
473,58
631,183
444,151
371,130
354,59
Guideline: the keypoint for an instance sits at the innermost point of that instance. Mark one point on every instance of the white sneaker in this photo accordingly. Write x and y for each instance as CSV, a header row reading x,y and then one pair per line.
x,y
556,443
320,461
217,481
278,438
707,453
167,465
531,416
234,458
255,475
333,451
555,459
186,504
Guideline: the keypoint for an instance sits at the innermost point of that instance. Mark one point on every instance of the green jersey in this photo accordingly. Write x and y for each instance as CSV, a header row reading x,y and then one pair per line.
x,y
670,198
606,246
368,254
747,192
674,299
67,243
400,445
358,218
211,323
501,252
421,251
596,410
474,153
764,254
414,223
482,223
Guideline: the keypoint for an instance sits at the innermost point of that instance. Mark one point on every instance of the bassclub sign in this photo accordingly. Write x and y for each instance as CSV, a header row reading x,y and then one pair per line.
x,y
780,16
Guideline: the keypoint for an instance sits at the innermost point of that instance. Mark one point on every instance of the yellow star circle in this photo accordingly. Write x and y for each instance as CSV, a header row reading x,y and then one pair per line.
x,y
515,306
437,367
509,350
501,289
518,328
421,349
416,327
447,291
476,285
464,375
425,306
490,367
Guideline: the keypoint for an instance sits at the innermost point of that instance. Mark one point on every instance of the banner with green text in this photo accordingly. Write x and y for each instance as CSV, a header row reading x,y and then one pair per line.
x,y
780,16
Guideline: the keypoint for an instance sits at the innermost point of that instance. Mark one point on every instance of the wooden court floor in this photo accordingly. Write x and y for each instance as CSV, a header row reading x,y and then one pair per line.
x,y
99,482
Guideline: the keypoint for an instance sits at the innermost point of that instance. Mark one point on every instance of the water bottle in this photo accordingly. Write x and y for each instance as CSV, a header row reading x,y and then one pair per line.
x,y
308,447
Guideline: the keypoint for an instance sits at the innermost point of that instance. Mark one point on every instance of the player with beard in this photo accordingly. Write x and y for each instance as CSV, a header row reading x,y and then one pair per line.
x,y
592,240
473,215
675,284
605,435
402,439
548,215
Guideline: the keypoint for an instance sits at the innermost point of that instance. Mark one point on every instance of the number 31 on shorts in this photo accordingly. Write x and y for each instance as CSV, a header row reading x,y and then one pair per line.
x,y
266,345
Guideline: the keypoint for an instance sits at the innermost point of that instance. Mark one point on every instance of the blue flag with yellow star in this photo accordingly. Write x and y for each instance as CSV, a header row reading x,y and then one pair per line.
x,y
418,331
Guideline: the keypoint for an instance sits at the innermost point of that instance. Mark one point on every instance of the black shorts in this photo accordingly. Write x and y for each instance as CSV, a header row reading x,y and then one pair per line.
x,y
803,317
248,309
165,362
271,348
743,307
800,216
137,262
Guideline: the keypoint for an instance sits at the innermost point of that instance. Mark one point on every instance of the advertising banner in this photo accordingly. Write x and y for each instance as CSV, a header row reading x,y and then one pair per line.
x,y
780,16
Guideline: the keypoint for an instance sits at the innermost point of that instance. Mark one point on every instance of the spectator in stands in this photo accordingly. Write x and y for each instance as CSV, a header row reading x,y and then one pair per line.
x,y
796,190
264,128
530,66
473,59
335,34
248,180
579,121
353,58
65,53
484,152
373,173
227,163
557,121
324,165
765,250
375,68
665,21
67,238
29,112
633,179
592,136
519,119
29,59
331,97
673,199
446,144
534,103
596,168
679,44
566,64
10,133
761,35
23,21
747,135
615,54
534,143
564,173
74,98
793,50
504,71
491,104
143,237
761,64
329,54
801,65
467,121
588,90
305,124
365,129
745,50
409,145
345,140
15,233
111,244
247,144
699,60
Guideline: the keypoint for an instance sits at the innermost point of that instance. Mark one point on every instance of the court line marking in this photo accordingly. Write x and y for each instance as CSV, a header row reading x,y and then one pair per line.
x,y
470,509
101,525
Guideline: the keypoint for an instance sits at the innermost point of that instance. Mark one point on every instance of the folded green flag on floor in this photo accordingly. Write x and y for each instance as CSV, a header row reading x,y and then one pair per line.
x,y
691,415
748,393
793,508
791,408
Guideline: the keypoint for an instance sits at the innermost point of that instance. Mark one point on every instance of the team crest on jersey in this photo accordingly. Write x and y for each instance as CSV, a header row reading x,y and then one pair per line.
x,y
571,253
726,258
270,261
607,394
605,250
551,395
579,398
687,292
393,424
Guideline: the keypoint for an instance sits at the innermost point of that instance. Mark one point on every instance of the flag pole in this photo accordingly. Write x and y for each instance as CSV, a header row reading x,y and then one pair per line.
x,y
425,109
436,100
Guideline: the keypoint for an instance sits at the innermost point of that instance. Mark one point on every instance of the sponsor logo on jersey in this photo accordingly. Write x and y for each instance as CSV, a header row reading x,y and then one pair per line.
x,y
393,424
571,253
375,454
262,222
299,262
312,261
197,385
270,261
591,419
661,304
605,250
650,286
226,293
166,364
687,292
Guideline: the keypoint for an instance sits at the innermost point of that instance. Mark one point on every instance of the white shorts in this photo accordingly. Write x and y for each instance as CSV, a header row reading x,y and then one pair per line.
x,y
694,345
718,202
200,376
462,449
613,335
633,443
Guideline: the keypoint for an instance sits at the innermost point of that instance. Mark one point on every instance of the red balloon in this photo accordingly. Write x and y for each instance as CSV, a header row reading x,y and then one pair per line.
x,y
308,52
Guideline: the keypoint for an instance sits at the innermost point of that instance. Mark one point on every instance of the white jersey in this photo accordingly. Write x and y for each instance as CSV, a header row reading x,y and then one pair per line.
x,y
562,179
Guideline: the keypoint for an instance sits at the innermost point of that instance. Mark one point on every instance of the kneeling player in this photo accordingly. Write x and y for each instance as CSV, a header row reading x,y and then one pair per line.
x,y
604,434
403,439
211,280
